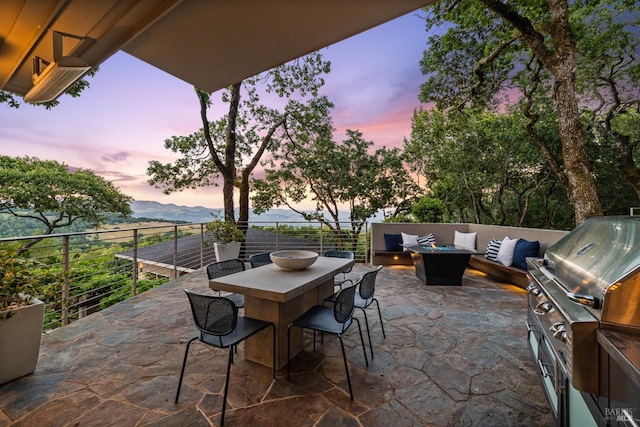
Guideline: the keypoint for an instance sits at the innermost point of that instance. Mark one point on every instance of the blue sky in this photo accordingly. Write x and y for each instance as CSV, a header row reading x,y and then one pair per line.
x,y
118,125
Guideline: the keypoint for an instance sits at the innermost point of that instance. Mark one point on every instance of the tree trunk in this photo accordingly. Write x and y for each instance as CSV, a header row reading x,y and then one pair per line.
x,y
561,61
243,202
229,170
581,184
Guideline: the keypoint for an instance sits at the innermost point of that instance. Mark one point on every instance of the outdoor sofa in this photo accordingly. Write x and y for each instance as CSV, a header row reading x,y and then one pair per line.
x,y
384,253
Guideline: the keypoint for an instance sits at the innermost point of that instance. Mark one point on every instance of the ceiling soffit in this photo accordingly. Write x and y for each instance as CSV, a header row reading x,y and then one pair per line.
x,y
207,43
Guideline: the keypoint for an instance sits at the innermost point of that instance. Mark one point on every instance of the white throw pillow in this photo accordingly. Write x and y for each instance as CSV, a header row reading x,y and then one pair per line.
x,y
464,240
409,240
505,254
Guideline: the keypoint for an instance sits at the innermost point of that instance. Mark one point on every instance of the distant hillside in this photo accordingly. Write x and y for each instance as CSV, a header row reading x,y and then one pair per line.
x,y
172,212
146,211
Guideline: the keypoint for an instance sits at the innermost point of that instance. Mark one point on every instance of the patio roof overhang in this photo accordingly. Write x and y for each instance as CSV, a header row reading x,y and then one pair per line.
x,y
209,44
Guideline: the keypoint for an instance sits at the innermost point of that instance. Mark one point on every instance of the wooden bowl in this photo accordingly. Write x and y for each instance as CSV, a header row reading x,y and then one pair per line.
x,y
293,260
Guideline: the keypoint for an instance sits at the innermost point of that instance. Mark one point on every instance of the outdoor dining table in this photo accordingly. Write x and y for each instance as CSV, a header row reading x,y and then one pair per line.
x,y
279,296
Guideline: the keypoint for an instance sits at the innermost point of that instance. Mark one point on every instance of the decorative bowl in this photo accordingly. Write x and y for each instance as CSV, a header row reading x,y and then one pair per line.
x,y
293,260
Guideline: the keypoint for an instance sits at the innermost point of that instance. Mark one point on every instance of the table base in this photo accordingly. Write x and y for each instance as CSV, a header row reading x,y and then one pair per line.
x,y
281,314
440,268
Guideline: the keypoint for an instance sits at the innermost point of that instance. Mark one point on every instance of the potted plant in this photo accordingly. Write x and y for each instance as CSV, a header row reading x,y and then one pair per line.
x,y
226,237
21,315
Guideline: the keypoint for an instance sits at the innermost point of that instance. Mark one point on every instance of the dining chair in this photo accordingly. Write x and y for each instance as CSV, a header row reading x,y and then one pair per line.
x,y
339,281
366,285
333,320
257,260
223,268
220,326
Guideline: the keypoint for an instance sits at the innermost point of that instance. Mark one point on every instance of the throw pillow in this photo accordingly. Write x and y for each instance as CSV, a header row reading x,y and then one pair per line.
x,y
464,240
492,250
392,242
409,240
428,240
524,249
505,253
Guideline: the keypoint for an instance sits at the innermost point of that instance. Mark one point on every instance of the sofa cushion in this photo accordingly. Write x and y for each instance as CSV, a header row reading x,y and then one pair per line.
x,y
392,242
524,249
505,253
428,240
464,240
492,250
409,240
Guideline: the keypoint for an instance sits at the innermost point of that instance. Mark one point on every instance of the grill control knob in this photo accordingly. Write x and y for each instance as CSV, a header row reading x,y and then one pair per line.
x,y
543,308
559,331
533,290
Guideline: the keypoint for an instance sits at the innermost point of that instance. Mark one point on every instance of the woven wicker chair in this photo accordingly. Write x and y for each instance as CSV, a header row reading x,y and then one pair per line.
x,y
333,320
257,260
364,298
220,326
339,281
223,268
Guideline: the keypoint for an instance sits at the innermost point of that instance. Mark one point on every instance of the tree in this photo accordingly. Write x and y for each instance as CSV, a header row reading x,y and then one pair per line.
x,y
497,176
428,209
230,148
48,192
608,77
530,46
333,175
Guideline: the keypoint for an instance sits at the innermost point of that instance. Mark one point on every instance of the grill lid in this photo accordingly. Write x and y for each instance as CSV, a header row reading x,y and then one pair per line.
x,y
598,264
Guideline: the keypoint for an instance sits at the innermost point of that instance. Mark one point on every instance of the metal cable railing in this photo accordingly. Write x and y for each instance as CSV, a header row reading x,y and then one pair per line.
x,y
96,269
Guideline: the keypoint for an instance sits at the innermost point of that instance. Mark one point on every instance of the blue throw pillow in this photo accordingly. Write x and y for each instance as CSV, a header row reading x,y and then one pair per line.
x,y
393,242
524,249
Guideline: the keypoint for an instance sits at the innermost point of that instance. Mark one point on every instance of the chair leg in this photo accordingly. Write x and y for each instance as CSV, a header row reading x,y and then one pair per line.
x,y
362,341
380,316
346,367
366,322
226,385
184,364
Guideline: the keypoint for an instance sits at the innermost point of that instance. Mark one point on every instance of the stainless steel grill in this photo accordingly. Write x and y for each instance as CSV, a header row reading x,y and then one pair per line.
x,y
587,282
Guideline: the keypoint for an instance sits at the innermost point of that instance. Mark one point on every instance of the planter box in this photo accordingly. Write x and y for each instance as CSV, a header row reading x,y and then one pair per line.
x,y
226,251
20,341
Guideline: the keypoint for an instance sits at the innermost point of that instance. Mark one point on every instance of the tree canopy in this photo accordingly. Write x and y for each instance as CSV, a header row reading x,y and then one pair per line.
x,y
486,169
335,174
230,148
577,54
51,193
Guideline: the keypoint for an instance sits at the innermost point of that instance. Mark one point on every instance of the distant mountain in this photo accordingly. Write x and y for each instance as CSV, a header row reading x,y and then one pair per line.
x,y
172,212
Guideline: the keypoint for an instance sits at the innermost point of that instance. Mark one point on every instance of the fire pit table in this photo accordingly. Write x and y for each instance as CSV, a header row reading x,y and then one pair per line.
x,y
440,265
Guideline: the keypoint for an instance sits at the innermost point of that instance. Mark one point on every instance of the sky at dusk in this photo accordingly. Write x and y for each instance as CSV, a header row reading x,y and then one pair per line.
x,y
120,123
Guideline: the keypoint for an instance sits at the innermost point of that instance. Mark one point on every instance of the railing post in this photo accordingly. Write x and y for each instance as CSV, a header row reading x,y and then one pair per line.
x,y
134,279
64,312
366,241
277,236
201,245
321,238
175,251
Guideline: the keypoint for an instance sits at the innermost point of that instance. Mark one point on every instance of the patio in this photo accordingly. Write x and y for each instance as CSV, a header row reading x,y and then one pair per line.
x,y
452,356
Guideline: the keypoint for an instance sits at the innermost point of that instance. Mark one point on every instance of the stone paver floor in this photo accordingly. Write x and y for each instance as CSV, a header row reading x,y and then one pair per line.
x,y
452,356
